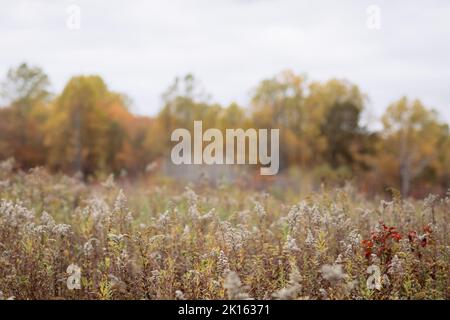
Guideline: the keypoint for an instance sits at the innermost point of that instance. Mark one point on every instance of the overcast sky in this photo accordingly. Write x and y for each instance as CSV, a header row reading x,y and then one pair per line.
x,y
138,47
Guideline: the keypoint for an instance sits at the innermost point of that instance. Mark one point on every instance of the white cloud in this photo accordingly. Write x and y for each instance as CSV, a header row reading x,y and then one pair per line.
x,y
140,46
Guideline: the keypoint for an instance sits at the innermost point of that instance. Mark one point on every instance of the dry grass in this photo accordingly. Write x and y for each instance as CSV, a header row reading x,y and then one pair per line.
x,y
158,241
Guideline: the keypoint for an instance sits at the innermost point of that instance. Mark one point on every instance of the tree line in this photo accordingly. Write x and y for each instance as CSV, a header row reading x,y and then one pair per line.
x,y
89,128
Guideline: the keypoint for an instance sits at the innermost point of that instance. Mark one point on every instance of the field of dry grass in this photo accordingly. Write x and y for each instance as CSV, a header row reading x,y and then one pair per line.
x,y
61,238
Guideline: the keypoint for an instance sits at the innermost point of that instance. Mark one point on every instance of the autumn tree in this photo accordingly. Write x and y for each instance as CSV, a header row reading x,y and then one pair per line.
x,y
412,138
442,175
277,104
340,130
185,101
25,90
233,116
319,122
332,121
86,131
90,129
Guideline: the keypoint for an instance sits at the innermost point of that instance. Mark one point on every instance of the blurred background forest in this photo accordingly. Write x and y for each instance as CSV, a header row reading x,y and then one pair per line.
x,y
89,129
